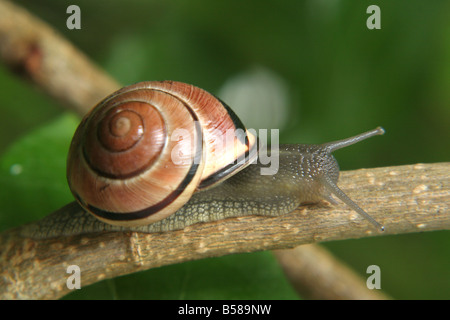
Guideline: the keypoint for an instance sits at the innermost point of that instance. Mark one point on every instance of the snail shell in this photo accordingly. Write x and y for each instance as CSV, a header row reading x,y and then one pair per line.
x,y
142,152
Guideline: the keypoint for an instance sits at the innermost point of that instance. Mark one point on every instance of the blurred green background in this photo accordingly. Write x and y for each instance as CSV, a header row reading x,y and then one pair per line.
x,y
315,69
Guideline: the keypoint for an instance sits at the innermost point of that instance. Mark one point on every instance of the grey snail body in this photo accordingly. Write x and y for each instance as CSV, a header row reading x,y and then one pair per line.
x,y
306,173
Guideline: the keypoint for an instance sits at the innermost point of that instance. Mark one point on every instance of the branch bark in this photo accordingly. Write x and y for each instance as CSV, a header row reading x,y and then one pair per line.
x,y
405,199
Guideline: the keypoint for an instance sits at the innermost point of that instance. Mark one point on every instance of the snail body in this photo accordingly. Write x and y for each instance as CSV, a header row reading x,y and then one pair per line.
x,y
121,166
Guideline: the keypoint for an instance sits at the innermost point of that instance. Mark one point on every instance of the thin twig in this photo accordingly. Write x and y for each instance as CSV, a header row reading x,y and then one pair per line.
x,y
405,199
316,274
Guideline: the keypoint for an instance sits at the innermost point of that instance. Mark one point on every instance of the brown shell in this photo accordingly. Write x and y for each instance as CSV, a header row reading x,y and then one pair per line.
x,y
138,156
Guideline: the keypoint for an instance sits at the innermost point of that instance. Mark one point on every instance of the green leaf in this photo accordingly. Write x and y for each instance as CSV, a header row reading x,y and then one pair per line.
x,y
32,173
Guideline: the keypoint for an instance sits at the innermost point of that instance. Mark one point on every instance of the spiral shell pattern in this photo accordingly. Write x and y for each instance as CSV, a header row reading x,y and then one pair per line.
x,y
141,153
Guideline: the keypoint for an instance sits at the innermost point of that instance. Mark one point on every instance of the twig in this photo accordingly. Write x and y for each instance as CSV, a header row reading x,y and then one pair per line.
x,y
405,199
33,49
316,274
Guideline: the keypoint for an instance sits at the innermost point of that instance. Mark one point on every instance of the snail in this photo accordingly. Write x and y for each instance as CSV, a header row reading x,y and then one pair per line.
x,y
158,156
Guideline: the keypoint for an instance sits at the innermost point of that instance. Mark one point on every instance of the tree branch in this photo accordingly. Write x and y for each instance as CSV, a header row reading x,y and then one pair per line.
x,y
33,49
405,199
